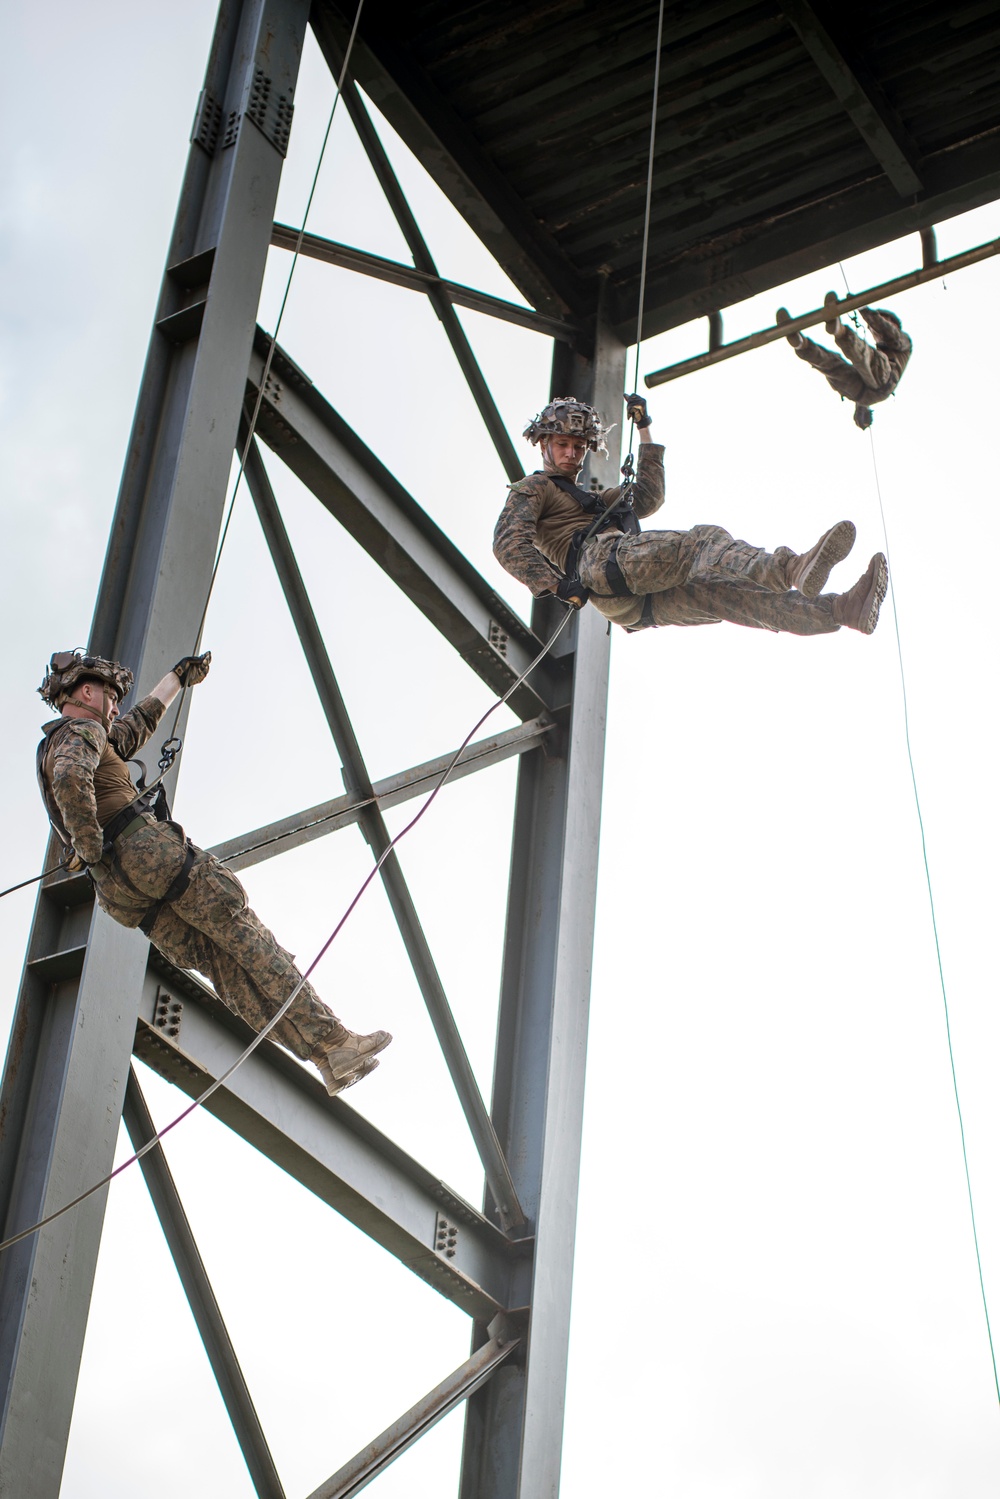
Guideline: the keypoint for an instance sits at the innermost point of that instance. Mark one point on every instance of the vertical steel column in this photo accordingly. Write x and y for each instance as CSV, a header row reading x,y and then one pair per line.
x,y
67,1065
513,1441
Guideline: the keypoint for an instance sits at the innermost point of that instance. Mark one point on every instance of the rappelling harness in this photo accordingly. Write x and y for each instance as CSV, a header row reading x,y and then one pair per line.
x,y
149,806
618,516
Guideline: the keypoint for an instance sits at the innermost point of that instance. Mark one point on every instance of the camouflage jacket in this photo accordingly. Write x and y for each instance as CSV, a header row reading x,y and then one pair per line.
x,y
540,520
70,754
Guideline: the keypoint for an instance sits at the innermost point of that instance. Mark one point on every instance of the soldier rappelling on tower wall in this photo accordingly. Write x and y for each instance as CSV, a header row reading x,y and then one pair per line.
x,y
867,375
148,874
643,578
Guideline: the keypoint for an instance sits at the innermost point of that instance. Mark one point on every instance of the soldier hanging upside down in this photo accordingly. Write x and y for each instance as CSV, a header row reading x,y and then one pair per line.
x,y
147,874
867,375
641,578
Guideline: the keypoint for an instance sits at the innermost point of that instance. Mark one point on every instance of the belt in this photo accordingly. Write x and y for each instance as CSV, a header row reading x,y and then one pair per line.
x,y
128,818
141,820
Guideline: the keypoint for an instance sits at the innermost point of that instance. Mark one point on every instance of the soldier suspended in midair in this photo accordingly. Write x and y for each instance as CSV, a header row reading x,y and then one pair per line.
x,y
148,874
644,578
868,375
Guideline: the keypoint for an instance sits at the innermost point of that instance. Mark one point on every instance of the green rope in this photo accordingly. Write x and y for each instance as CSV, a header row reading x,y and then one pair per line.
x,y
934,926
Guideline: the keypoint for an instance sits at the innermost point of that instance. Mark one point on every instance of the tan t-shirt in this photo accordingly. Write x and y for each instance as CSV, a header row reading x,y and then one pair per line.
x,y
540,520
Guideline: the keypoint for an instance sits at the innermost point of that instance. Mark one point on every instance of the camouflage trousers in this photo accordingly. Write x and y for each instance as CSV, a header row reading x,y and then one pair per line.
x,y
700,577
865,376
211,929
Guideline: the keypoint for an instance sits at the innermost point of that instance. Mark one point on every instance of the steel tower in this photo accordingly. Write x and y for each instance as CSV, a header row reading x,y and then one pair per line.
x,y
93,994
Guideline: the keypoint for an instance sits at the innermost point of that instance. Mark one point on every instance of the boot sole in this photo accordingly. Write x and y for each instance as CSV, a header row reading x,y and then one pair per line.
x,y
875,596
835,548
367,1066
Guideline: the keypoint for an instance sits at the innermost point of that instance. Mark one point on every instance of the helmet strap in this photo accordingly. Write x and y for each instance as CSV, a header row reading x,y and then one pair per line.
x,y
101,714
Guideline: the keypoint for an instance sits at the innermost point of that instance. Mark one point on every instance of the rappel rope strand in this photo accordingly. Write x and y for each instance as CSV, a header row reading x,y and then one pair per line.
x,y
34,879
280,1014
268,361
250,435
934,928
649,196
646,219
626,489
933,911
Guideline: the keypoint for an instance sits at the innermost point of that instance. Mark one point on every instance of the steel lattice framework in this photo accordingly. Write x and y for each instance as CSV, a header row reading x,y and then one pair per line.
x,y
780,149
94,994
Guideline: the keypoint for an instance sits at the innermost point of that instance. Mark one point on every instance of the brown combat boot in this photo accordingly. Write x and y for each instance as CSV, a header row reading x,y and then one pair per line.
x,y
858,607
347,1057
833,323
809,572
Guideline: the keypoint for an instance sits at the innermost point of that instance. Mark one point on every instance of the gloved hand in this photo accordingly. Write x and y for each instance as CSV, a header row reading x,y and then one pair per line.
x,y
190,670
74,863
572,592
637,410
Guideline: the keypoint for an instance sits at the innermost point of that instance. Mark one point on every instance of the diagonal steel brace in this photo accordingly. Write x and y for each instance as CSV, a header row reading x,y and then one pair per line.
x,y
359,784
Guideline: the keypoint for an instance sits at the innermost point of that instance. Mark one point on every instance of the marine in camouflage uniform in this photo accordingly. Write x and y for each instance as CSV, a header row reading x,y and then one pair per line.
x,y
868,375
643,578
147,874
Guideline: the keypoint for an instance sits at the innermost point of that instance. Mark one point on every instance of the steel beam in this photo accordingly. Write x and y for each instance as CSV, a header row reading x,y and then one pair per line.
x,y
344,811
424,261
324,452
187,1035
201,1298
68,1061
861,97
359,785
513,1439
729,265
930,271
315,247
62,1095
442,144
418,1420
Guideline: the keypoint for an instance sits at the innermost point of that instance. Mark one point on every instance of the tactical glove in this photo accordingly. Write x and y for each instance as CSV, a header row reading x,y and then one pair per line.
x,y
74,863
191,670
572,592
638,411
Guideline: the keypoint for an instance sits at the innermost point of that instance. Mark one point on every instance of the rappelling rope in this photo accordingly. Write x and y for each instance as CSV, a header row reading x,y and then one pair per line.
x,y
930,898
269,359
34,879
280,1014
626,489
649,201
934,928
425,807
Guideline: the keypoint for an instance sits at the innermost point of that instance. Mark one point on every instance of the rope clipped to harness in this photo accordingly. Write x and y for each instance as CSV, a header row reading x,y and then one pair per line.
x,y
624,500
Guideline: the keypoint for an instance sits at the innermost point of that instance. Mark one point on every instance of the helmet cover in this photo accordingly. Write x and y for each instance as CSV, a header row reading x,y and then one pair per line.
x,y
565,416
68,668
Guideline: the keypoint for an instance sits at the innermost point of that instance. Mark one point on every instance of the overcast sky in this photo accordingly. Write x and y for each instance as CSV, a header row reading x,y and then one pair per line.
x,y
776,1290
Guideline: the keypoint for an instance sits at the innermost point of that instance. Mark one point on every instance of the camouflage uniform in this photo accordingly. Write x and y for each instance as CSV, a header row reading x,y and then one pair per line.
x,y
209,927
695,577
867,376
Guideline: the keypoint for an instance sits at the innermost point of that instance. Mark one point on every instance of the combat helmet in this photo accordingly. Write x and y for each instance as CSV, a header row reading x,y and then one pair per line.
x,y
887,330
67,668
565,416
